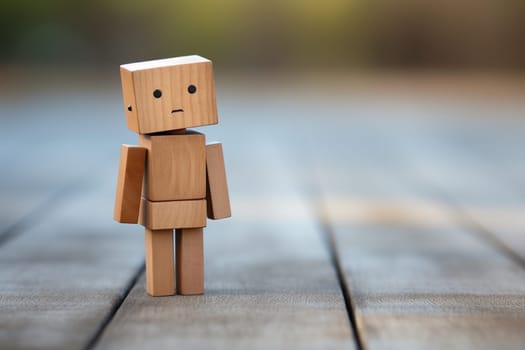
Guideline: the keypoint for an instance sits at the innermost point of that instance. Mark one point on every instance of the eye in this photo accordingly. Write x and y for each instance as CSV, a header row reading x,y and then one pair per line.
x,y
192,89
130,108
157,93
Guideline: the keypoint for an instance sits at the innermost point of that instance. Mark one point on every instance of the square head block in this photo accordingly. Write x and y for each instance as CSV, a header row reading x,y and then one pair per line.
x,y
169,94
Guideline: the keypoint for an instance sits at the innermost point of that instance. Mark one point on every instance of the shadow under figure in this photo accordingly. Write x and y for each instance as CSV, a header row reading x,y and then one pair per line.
x,y
173,179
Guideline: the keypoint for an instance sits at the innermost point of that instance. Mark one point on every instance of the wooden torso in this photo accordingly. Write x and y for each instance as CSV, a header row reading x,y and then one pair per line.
x,y
175,166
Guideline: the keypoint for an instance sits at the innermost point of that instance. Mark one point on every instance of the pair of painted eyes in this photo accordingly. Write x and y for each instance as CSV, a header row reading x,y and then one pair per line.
x,y
158,94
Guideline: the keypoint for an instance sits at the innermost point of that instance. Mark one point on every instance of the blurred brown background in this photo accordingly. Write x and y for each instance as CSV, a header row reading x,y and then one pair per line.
x,y
295,34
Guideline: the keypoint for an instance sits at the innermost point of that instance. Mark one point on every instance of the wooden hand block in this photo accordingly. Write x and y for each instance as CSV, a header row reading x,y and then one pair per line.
x,y
173,214
217,187
176,167
190,261
169,94
129,184
160,273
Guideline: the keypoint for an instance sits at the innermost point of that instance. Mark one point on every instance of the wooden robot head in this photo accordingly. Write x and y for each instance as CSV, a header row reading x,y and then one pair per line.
x,y
169,94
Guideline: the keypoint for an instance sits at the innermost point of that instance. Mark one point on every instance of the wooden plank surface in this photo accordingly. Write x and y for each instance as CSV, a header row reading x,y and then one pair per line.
x,y
479,172
431,288
50,143
416,276
60,280
66,265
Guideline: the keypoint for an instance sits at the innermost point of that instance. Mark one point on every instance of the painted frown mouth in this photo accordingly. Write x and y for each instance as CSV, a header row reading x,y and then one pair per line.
x,y
177,110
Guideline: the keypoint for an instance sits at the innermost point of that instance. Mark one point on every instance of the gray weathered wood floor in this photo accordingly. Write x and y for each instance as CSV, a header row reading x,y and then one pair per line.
x,y
389,217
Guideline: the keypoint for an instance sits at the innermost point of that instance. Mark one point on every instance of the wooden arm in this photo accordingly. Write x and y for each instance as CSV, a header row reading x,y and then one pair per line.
x,y
218,200
129,184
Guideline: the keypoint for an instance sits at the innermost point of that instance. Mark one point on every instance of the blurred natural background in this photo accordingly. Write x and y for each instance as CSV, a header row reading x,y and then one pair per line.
x,y
271,34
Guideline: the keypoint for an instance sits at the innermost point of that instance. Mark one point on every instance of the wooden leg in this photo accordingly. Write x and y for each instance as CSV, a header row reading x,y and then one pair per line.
x,y
190,261
159,262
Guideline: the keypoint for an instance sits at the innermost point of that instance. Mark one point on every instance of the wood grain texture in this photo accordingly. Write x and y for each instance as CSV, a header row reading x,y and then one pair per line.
x,y
173,214
432,288
129,184
190,261
417,275
176,166
128,94
172,77
60,279
217,195
482,180
160,272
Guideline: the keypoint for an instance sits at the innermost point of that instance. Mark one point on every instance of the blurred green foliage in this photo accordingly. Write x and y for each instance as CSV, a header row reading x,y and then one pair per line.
x,y
291,34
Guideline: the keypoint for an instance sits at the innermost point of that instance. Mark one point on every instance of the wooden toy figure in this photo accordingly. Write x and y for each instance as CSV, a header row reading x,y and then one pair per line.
x,y
172,180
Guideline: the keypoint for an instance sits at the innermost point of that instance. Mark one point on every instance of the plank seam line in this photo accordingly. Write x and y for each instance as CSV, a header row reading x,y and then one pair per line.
x,y
458,211
474,226
329,239
36,214
479,230
99,332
